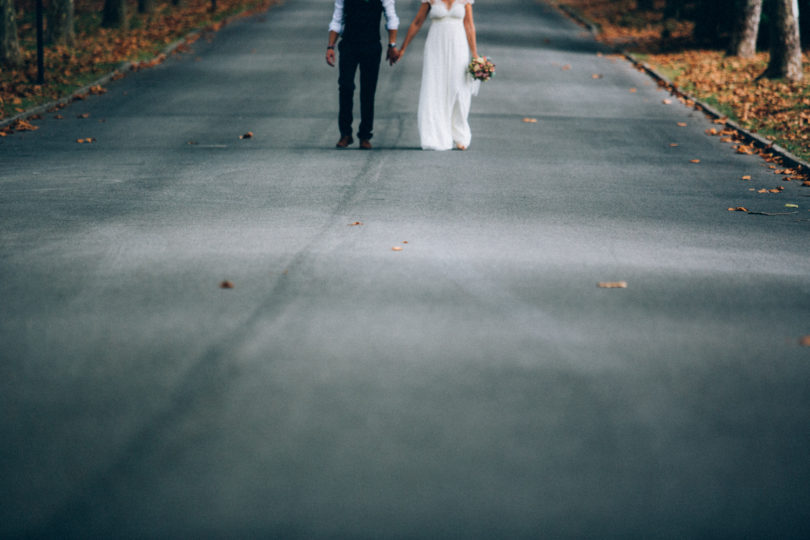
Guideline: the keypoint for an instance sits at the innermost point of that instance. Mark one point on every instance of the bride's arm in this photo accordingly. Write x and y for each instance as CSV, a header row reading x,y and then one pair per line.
x,y
469,27
417,23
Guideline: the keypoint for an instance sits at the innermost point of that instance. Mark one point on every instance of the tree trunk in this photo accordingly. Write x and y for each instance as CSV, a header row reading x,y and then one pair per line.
x,y
60,23
786,51
146,6
115,14
744,35
10,53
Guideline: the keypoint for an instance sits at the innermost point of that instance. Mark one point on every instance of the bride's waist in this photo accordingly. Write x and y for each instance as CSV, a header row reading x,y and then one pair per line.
x,y
447,19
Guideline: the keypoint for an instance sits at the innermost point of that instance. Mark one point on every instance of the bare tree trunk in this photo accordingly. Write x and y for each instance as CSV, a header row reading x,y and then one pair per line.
x,y
10,53
60,22
115,14
744,37
146,6
786,50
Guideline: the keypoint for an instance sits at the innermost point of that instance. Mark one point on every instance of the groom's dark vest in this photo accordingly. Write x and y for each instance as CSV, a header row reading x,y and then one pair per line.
x,y
361,20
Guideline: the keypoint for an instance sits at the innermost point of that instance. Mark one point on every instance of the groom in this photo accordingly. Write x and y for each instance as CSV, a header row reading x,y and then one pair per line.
x,y
358,23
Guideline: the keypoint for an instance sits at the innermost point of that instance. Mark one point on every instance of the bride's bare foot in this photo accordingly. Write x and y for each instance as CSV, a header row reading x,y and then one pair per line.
x,y
461,147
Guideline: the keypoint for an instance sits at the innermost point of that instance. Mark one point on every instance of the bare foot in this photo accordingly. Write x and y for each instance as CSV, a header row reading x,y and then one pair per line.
x,y
461,147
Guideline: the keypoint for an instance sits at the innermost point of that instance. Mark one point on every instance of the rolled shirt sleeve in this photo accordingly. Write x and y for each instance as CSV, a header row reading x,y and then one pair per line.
x,y
391,19
337,18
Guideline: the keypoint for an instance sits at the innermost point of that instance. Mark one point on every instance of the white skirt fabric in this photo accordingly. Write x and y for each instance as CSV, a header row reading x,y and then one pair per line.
x,y
445,95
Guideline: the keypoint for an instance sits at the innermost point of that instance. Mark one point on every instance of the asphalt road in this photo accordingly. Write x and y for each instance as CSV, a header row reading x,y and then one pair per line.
x,y
475,384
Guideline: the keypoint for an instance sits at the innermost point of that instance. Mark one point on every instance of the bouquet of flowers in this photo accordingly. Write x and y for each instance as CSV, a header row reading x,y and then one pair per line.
x,y
481,68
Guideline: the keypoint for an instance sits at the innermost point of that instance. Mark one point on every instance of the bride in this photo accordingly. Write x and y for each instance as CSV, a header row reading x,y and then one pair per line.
x,y
444,99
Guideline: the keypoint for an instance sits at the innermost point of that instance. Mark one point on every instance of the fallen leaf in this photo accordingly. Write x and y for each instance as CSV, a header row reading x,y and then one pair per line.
x,y
355,224
530,120
746,177
83,116
633,90
248,135
674,145
226,285
596,76
738,209
612,284
682,124
694,161
396,248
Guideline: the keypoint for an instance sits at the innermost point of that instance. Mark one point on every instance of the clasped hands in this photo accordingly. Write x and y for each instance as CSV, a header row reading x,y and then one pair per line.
x,y
393,55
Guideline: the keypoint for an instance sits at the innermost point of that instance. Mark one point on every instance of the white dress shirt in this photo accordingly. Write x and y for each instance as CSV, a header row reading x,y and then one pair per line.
x,y
391,19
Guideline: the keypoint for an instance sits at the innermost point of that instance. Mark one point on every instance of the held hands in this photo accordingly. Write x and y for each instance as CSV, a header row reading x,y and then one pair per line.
x,y
393,55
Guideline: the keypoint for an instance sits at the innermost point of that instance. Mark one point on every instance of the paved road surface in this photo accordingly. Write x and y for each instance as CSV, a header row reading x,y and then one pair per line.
x,y
476,384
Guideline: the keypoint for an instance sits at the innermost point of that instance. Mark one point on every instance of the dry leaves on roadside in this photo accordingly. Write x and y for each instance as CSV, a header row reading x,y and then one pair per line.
x,y
612,284
248,135
528,120
226,285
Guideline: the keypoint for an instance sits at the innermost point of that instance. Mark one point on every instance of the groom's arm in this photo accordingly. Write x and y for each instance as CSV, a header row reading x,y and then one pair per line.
x,y
392,24
335,28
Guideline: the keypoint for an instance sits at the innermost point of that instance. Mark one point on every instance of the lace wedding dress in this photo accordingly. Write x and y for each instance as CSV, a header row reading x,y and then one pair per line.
x,y
445,95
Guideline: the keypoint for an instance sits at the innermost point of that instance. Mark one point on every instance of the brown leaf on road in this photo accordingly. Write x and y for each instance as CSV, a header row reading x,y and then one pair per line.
x,y
226,285
248,135
673,145
694,161
746,177
682,124
87,140
738,209
83,116
528,120
596,76
355,224
633,90
396,248
612,284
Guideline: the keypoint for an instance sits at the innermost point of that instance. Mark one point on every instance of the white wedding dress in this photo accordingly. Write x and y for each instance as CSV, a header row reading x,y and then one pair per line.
x,y
446,92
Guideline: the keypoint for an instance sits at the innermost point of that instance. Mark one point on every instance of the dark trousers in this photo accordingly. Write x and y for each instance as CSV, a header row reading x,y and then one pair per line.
x,y
367,57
